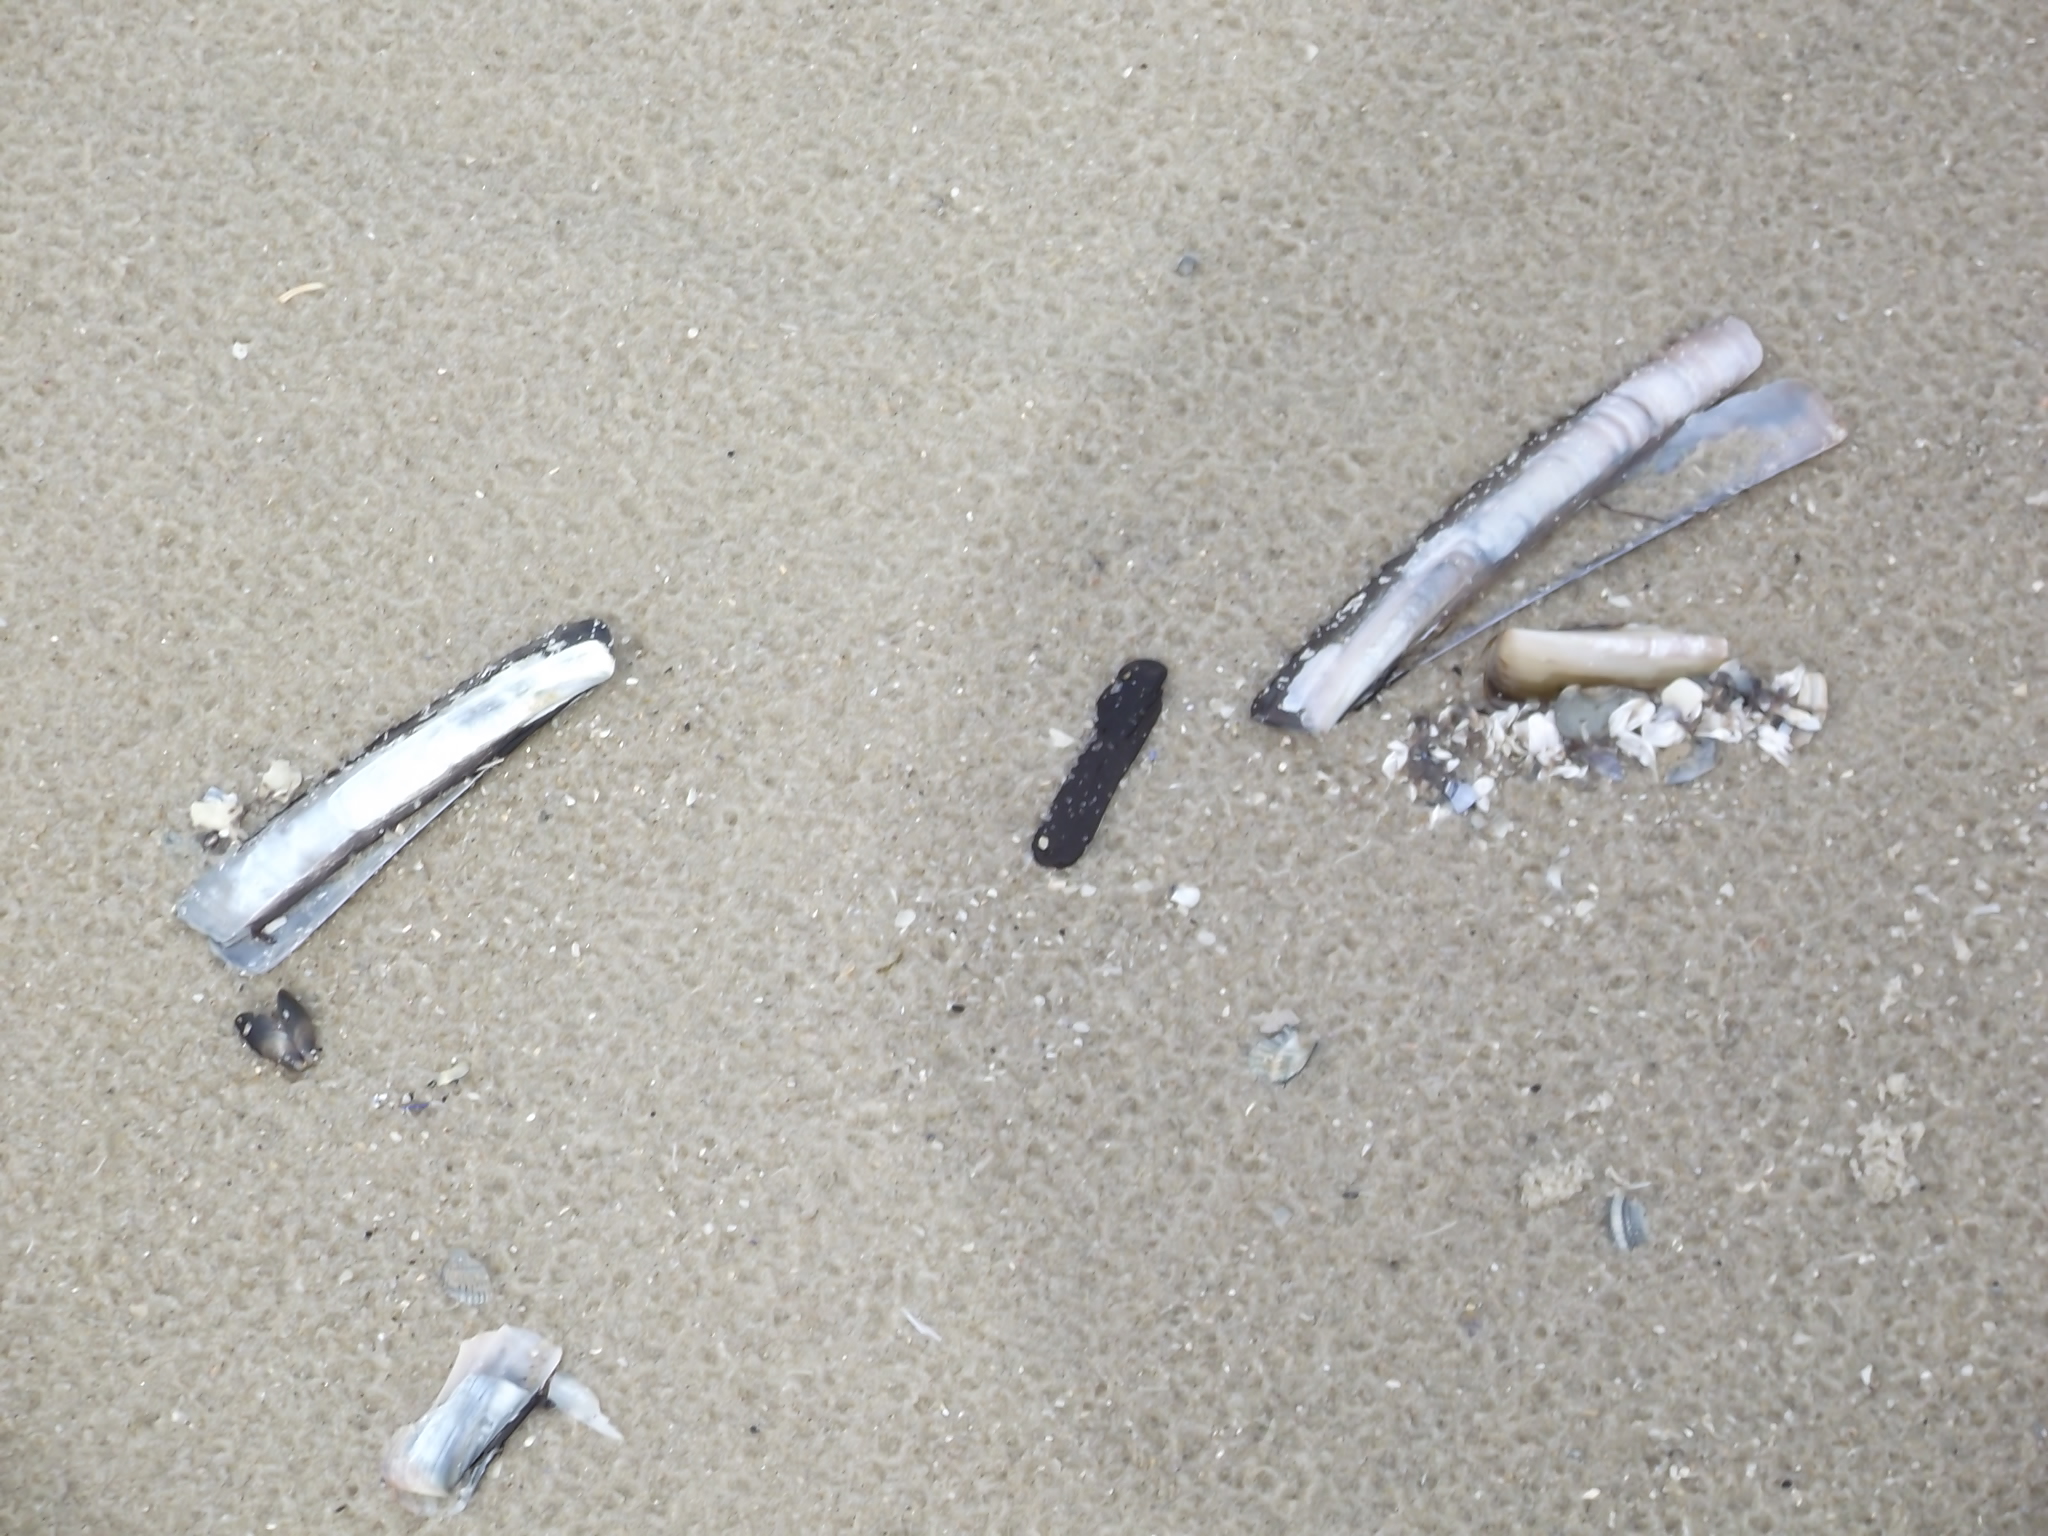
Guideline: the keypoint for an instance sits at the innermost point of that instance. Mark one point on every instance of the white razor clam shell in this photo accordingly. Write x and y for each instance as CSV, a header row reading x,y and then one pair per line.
x,y
1351,655
261,901
435,1463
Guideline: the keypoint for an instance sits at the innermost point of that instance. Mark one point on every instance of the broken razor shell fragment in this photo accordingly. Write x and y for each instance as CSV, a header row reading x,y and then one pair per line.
x,y
435,1463
262,901
1351,656
285,1037
1124,717
1537,663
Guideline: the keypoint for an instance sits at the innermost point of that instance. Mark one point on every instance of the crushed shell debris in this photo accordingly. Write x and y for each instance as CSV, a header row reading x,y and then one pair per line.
x,y
1459,759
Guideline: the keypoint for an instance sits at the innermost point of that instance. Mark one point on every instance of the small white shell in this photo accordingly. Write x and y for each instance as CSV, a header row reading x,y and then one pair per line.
x,y
1660,734
1715,726
1684,698
1540,739
1775,742
1812,695
218,812
280,779
1630,716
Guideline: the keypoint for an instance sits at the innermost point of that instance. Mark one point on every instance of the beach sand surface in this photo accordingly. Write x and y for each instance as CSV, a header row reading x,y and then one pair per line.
x,y
846,361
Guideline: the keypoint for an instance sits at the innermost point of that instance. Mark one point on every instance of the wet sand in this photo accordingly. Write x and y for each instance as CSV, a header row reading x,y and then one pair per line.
x,y
841,362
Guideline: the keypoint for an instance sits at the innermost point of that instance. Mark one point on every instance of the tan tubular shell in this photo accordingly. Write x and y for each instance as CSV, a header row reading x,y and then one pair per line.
x,y
1538,663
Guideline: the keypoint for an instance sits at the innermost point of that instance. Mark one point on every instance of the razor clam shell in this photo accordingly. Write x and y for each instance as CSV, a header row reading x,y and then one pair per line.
x,y
1351,655
435,1463
1537,663
1715,456
261,901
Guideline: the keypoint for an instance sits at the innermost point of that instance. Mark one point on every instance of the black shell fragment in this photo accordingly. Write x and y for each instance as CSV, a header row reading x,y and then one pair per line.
x,y
286,1037
1124,717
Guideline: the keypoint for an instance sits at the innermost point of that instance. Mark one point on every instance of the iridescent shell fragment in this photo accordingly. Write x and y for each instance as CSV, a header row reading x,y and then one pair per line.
x,y
1279,1056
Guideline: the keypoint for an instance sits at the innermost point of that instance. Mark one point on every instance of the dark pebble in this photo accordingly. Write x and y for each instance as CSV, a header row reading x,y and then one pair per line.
x,y
1124,717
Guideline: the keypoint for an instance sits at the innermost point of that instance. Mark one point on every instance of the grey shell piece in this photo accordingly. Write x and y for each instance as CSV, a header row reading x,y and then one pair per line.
x,y
261,902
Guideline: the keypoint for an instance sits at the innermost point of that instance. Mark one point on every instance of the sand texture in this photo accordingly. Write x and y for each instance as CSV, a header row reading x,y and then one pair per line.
x,y
845,360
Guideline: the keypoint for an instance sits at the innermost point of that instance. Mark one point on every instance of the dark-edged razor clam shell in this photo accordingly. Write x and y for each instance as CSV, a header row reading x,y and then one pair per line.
x,y
435,1463
285,1037
259,903
1124,717
1354,652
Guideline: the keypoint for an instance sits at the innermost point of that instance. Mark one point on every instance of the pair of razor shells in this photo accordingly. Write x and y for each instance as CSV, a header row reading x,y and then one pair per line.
x,y
1660,432
435,1463
269,894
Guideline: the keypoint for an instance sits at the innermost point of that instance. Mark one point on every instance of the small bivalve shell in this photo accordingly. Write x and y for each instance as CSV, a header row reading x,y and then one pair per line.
x,y
1279,1057
1625,1222
285,1037
1538,663
466,1279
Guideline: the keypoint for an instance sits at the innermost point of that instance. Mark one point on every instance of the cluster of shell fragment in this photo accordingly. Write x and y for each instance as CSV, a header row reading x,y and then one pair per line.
x,y
1459,759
